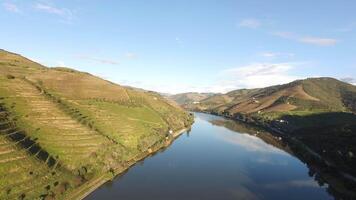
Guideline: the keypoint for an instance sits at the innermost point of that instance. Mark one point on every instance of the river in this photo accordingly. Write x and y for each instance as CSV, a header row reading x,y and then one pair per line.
x,y
217,159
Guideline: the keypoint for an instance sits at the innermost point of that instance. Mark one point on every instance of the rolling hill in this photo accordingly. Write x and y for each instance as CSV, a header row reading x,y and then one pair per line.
x,y
190,97
65,132
318,112
309,95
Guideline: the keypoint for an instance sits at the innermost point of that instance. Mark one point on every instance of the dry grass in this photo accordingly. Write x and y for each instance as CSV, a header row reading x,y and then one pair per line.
x,y
76,85
269,103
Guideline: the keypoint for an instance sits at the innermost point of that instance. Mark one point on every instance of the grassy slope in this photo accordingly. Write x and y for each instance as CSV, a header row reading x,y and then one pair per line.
x,y
71,126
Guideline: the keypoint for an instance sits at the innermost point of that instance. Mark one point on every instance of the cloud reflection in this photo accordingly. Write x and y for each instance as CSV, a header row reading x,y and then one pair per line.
x,y
242,193
293,183
251,143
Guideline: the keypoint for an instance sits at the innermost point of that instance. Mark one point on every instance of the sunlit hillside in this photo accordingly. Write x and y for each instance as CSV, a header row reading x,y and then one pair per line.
x,y
62,129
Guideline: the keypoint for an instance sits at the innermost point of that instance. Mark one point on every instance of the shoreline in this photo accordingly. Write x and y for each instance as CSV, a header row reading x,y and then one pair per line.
x,y
299,149
90,186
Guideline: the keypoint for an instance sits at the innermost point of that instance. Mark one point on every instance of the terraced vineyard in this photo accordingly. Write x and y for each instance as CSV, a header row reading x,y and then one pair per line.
x,y
62,132
22,175
26,169
53,129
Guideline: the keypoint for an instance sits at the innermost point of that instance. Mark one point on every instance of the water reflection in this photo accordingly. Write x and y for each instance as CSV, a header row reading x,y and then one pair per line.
x,y
293,183
336,185
218,159
251,143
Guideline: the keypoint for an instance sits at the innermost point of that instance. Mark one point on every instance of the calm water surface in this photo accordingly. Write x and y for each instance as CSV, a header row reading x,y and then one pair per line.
x,y
215,162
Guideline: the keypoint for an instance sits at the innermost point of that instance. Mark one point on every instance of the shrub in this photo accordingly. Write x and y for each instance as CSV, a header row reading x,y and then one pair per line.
x,y
9,76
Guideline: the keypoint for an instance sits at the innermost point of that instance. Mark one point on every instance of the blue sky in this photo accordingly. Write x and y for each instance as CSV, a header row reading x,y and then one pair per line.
x,y
185,45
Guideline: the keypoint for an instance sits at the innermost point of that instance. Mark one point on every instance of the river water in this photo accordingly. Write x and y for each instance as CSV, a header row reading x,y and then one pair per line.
x,y
218,159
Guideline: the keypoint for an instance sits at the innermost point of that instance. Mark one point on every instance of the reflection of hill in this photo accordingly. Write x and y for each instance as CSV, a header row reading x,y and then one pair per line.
x,y
341,186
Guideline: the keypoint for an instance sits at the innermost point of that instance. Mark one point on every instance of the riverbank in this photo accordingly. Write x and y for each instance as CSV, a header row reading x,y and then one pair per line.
x,y
320,163
93,184
184,170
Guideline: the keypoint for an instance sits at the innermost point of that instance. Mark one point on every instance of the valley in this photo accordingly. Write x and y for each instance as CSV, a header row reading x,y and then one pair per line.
x,y
177,100
222,157
64,133
316,113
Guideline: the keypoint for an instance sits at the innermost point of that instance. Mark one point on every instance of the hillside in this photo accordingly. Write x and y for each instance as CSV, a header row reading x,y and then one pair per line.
x,y
63,132
309,95
319,112
189,97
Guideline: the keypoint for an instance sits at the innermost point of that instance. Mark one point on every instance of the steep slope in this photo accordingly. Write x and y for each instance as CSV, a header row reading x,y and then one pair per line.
x,y
68,131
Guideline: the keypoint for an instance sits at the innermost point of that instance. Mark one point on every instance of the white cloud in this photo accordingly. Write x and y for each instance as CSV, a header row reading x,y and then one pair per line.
x,y
11,7
51,9
276,54
255,75
283,34
130,55
269,54
258,75
319,41
349,80
65,13
260,69
98,60
250,23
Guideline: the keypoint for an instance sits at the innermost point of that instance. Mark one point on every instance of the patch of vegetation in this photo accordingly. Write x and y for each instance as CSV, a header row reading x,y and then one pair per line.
x,y
65,69
9,76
